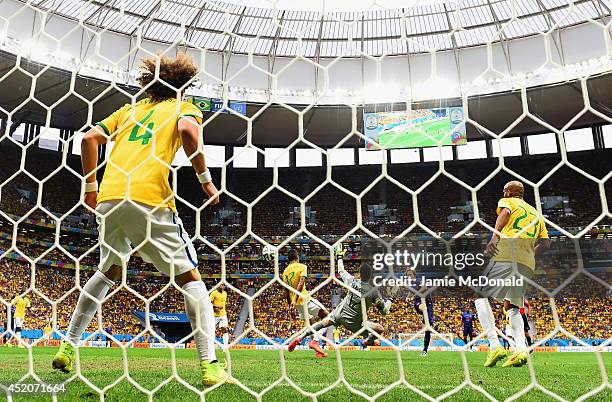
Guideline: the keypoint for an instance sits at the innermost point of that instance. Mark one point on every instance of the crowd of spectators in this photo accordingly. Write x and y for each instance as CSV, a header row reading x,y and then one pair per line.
x,y
580,310
51,285
583,307
436,193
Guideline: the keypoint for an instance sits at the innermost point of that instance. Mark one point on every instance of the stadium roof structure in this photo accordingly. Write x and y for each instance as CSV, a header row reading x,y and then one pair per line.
x,y
328,29
324,125
321,57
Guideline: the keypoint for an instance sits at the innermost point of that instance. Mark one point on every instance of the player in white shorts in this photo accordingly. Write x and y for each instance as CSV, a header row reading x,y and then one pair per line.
x,y
221,322
135,206
218,297
350,312
520,235
530,331
294,276
22,304
509,334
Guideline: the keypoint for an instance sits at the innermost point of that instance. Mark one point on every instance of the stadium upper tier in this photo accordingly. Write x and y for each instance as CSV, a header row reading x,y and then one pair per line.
x,y
437,198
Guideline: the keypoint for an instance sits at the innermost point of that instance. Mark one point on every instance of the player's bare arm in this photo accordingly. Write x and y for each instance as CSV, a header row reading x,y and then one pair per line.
x,y
500,223
190,137
288,296
89,161
299,289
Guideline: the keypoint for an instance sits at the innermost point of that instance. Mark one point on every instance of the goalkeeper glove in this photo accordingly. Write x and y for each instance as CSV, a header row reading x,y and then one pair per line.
x,y
383,306
339,251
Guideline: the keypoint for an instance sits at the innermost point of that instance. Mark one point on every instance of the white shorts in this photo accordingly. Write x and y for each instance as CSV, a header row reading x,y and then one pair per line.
x,y
221,322
310,309
124,224
18,322
509,331
506,270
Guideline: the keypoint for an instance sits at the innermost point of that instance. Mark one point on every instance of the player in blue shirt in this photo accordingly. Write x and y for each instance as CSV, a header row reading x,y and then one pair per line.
x,y
467,318
109,330
423,306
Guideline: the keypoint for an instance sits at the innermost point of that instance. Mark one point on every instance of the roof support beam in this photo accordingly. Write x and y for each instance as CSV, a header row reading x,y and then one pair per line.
x,y
147,18
274,49
102,6
503,39
454,42
191,29
229,45
317,56
554,33
146,21
604,10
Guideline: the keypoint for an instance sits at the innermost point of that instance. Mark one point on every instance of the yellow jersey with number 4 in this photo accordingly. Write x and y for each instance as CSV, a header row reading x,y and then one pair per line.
x,y
519,236
291,276
218,300
146,140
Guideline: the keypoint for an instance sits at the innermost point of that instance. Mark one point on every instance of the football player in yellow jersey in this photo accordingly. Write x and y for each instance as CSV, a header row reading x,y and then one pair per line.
x,y
520,234
336,335
21,303
135,205
47,333
218,297
295,275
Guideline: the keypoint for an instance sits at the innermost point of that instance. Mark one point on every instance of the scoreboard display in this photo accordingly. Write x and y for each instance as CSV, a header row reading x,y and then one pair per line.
x,y
417,128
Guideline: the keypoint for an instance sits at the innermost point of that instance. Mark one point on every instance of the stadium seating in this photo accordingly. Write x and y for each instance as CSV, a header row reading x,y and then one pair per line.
x,y
55,274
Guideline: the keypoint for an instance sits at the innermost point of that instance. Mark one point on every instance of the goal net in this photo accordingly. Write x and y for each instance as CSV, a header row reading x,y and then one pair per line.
x,y
398,123
415,341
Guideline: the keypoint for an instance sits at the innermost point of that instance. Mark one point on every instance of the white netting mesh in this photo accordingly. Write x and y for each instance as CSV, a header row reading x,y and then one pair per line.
x,y
44,59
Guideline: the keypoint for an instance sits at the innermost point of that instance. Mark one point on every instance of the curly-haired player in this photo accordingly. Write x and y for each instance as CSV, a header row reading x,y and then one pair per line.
x,y
135,203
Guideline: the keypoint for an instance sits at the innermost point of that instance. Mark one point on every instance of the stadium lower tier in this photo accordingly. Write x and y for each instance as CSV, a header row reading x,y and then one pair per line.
x,y
584,308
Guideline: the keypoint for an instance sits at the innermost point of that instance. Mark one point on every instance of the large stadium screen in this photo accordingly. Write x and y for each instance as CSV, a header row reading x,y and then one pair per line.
x,y
415,128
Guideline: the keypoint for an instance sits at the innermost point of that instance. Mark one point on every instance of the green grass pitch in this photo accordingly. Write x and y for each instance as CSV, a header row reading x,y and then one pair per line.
x,y
568,374
416,136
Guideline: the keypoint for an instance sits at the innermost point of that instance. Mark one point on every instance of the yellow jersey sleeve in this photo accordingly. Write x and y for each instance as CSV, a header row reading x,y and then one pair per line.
x,y
113,122
189,109
503,203
303,271
213,296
